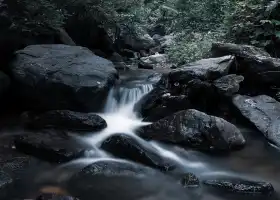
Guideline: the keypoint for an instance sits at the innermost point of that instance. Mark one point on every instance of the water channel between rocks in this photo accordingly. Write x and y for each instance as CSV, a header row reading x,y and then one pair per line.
x,y
257,161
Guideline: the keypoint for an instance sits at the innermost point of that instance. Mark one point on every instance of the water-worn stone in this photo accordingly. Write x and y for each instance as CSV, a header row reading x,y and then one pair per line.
x,y
64,119
205,69
111,179
159,103
58,77
130,148
195,129
50,145
229,84
189,180
263,111
241,186
253,63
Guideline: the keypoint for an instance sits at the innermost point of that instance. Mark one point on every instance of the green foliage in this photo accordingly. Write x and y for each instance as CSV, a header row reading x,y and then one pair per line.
x,y
35,16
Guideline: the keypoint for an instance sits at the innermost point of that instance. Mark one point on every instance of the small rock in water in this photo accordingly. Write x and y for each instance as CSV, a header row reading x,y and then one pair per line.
x,y
64,119
189,180
241,186
127,147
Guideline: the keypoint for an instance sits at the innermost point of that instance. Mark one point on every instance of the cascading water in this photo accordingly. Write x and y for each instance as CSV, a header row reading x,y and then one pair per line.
x,y
121,118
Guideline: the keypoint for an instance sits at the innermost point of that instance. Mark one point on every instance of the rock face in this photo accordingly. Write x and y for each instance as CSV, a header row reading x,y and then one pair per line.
x,y
241,186
195,129
228,85
56,77
205,69
50,146
64,119
263,111
127,147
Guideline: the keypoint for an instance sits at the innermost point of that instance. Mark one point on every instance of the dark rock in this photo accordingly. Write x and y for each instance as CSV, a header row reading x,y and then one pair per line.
x,y
245,51
136,42
52,146
263,111
205,69
142,65
58,77
53,196
93,35
202,95
189,180
127,181
115,57
64,119
143,53
155,50
195,129
241,186
128,53
228,85
4,82
5,183
159,103
130,148
253,63
65,38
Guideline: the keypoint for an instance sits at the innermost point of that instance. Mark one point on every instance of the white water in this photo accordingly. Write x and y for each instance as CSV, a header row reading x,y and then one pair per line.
x,y
121,118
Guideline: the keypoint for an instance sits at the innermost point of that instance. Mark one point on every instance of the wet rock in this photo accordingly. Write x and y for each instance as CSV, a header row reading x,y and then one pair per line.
x,y
157,61
142,65
159,103
205,69
137,42
189,180
50,145
127,147
5,183
245,51
241,186
58,77
228,85
122,180
263,111
64,119
195,129
54,196
255,64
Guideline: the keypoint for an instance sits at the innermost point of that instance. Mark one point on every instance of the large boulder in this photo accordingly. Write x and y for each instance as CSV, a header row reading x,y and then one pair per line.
x,y
64,119
195,129
137,42
51,145
255,64
240,186
263,111
127,147
57,77
205,69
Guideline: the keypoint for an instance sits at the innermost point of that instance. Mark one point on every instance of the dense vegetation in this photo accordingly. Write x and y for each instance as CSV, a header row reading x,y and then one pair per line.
x,y
195,23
